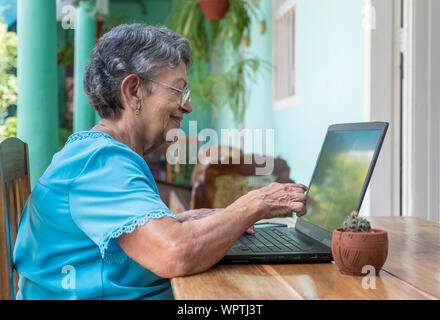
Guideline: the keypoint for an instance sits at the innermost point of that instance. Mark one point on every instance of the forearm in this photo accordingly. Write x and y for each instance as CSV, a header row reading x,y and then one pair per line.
x,y
206,241
195,214
171,248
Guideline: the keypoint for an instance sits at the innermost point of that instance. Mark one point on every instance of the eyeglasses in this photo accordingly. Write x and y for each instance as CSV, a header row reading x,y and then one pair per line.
x,y
185,95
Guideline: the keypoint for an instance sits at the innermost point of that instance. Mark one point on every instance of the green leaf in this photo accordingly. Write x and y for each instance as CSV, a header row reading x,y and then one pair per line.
x,y
8,64
220,68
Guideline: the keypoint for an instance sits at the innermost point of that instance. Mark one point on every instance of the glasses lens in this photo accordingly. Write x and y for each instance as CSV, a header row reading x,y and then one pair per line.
x,y
185,97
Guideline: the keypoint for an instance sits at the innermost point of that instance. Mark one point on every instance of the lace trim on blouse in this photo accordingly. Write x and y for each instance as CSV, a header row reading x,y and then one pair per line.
x,y
87,134
119,256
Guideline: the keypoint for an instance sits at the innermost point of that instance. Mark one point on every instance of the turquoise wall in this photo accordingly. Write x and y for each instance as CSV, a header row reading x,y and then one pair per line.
x,y
329,81
156,12
259,114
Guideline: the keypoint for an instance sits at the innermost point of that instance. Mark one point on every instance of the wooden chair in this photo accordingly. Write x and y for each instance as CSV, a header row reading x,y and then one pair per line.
x,y
14,191
204,177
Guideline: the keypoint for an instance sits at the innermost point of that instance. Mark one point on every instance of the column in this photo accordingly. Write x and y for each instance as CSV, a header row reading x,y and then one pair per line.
x,y
85,37
37,82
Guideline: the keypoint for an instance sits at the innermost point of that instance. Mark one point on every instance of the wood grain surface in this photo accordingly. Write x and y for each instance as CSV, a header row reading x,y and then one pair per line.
x,y
412,271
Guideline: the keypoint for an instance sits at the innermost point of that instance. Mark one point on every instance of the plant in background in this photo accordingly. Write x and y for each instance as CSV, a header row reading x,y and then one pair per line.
x,y
8,80
9,128
182,176
220,65
66,55
105,22
355,223
63,135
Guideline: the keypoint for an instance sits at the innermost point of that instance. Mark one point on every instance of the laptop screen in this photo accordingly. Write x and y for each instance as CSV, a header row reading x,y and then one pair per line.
x,y
339,176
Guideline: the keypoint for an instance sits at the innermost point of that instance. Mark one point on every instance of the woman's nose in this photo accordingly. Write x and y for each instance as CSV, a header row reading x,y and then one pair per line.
x,y
187,107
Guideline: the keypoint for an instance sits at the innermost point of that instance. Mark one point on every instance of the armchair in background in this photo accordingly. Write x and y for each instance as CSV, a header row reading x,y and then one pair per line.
x,y
216,185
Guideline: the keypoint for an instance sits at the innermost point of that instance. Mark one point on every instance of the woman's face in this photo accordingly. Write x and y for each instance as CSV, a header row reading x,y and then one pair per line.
x,y
161,110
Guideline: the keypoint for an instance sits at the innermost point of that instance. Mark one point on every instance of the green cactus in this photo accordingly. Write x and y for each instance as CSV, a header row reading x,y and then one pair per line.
x,y
355,223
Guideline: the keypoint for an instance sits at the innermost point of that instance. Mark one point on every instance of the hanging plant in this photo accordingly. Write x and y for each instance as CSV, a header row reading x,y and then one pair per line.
x,y
214,10
220,65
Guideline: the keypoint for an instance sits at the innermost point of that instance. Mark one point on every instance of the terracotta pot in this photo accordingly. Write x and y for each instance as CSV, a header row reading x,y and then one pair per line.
x,y
354,250
214,10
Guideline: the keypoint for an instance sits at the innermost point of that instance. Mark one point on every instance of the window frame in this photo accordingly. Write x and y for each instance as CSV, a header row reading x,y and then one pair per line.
x,y
278,13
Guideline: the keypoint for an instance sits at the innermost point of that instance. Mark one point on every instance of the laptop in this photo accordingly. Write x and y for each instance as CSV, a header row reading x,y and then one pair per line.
x,y
338,185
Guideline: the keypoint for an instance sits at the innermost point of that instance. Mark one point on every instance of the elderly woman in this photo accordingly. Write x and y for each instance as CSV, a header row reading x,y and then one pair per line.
x,y
94,226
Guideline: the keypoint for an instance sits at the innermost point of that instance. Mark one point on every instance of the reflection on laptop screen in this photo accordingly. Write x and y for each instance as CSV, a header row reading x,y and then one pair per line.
x,y
339,176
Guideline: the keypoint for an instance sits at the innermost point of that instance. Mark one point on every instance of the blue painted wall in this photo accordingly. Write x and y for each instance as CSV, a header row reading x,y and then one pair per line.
x,y
330,80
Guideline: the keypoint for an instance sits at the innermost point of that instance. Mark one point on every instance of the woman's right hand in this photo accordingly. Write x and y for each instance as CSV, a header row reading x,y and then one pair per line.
x,y
275,200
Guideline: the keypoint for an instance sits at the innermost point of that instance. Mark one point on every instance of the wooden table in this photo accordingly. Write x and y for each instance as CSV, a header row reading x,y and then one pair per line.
x,y
412,271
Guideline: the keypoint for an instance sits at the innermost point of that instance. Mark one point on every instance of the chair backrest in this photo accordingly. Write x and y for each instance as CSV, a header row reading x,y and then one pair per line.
x,y
205,175
14,191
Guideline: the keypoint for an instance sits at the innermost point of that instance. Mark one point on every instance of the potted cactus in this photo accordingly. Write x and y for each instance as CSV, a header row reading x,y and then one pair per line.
x,y
357,245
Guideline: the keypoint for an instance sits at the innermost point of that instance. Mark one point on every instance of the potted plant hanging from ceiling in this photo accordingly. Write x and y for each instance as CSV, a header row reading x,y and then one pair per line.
x,y
221,64
214,10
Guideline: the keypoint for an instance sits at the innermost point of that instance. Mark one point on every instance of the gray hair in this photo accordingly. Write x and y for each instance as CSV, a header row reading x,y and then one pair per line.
x,y
130,49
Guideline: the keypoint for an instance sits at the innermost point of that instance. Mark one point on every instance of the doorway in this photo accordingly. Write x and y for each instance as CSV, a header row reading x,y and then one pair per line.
x,y
402,80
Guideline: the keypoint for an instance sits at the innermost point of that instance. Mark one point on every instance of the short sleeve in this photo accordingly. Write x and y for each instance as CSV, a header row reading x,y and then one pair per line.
x,y
114,194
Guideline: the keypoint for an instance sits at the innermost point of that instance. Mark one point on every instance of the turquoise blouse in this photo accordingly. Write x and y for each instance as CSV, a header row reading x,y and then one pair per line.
x,y
94,190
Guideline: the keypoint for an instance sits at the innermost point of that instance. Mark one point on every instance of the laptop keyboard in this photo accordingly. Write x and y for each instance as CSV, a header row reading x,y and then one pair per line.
x,y
269,240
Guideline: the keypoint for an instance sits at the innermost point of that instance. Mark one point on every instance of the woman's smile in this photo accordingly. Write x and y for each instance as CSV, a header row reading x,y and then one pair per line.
x,y
177,120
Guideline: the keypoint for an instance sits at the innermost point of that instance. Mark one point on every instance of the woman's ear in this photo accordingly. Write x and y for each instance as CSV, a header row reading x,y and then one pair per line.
x,y
131,89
